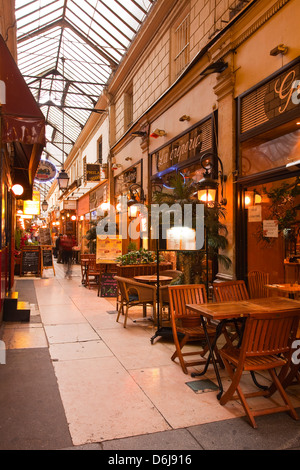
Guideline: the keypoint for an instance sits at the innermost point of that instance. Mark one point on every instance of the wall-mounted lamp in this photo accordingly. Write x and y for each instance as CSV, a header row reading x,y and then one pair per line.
x,y
207,187
158,133
115,166
139,133
280,49
17,189
136,196
252,198
184,118
216,67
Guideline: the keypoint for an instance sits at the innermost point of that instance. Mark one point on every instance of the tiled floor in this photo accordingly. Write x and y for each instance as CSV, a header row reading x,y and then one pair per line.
x,y
112,381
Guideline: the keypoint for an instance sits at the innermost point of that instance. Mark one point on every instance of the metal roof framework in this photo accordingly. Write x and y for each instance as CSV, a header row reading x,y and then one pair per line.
x,y
67,50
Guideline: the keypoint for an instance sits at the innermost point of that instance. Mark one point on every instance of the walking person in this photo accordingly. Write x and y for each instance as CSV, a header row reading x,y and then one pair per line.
x,y
67,244
58,248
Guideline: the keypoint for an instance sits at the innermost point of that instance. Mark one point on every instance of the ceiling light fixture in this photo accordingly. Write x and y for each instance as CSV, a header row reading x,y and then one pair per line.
x,y
139,134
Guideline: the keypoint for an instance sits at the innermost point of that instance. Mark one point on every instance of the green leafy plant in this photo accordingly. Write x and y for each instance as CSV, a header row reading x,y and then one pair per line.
x,y
283,208
91,236
141,256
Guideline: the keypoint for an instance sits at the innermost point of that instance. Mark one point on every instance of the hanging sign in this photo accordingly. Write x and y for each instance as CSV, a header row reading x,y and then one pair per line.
x,y
46,171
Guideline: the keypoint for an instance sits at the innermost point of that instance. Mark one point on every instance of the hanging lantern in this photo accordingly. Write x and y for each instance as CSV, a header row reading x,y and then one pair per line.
x,y
63,180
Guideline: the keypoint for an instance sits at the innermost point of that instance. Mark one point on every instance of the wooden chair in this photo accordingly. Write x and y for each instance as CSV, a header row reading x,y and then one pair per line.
x,y
256,282
230,290
84,259
188,324
132,294
93,272
265,338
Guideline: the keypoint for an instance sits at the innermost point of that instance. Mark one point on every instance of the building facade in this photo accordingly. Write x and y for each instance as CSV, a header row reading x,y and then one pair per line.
x,y
194,82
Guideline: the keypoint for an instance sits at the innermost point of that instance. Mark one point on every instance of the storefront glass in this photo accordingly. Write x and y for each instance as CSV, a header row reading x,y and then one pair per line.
x,y
273,229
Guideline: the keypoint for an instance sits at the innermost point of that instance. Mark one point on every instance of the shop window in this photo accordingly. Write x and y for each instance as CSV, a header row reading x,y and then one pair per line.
x,y
262,153
273,229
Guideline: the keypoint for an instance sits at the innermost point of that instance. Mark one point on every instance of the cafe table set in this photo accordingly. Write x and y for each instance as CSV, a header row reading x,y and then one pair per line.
x,y
224,312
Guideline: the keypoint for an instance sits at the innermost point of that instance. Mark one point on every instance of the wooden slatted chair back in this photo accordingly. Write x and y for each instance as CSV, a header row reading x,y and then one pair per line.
x,y
270,334
257,281
181,295
230,291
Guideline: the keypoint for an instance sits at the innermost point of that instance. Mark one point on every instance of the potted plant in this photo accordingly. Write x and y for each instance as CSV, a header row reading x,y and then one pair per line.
x,y
140,256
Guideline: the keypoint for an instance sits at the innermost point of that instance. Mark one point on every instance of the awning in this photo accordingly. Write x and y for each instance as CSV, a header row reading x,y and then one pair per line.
x,y
22,122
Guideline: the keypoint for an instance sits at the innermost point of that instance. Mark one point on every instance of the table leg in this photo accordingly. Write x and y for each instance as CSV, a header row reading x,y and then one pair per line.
x,y
211,356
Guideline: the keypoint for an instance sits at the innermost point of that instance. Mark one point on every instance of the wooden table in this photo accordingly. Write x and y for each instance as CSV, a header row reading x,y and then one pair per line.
x,y
223,311
290,289
153,278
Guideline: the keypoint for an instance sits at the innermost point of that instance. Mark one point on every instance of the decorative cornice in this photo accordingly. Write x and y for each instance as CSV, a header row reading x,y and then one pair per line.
x,y
259,23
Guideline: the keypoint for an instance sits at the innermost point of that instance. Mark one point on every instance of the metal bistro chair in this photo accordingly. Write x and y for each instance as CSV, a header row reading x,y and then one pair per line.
x,y
132,294
187,324
266,345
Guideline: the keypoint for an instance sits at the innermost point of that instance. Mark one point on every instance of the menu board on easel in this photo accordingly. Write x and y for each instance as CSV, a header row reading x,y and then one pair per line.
x,y
47,258
109,286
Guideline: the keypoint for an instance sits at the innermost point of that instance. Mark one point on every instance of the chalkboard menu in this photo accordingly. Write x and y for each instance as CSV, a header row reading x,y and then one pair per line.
x,y
108,285
47,258
30,261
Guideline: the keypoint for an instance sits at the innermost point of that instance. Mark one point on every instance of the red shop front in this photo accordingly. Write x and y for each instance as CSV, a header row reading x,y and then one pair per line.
x,y
22,139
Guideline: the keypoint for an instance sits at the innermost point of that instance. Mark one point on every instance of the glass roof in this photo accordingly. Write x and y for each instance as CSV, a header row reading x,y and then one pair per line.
x,y
67,50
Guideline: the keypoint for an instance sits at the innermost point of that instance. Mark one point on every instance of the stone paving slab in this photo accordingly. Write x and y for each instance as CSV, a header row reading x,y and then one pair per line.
x,y
32,414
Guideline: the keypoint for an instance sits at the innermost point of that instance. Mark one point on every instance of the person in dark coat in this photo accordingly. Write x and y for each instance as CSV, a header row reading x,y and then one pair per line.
x,y
67,244
58,248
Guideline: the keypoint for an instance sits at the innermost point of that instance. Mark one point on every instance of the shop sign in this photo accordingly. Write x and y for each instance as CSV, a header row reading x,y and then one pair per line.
x,y
186,147
70,205
46,171
130,176
98,196
271,100
279,92
93,172
31,207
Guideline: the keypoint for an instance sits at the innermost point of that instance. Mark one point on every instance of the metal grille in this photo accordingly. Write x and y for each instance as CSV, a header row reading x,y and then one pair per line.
x,y
182,42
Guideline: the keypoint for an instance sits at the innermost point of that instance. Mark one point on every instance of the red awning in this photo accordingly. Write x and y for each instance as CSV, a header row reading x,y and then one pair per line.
x,y
22,122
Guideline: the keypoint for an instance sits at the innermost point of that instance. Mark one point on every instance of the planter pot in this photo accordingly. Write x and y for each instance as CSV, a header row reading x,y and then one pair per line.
x,y
132,270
